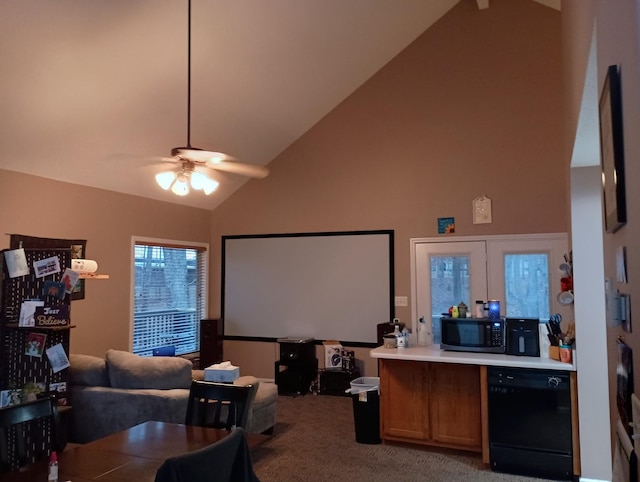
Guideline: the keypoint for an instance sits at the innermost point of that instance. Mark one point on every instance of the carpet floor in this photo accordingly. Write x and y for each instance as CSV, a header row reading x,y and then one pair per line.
x,y
314,440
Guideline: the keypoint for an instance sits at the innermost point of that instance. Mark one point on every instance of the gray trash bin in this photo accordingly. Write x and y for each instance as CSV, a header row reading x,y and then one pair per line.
x,y
365,394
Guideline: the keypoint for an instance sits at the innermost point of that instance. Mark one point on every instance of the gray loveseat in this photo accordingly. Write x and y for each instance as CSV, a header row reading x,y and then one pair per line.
x,y
122,390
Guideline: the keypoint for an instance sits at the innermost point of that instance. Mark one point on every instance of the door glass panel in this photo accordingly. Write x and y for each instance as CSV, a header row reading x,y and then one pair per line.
x,y
449,286
446,274
526,277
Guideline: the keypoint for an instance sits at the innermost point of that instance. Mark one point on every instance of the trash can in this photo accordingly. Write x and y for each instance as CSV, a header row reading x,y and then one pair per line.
x,y
365,394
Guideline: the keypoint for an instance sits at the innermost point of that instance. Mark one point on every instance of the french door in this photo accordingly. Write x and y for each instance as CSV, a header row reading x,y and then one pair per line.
x,y
521,271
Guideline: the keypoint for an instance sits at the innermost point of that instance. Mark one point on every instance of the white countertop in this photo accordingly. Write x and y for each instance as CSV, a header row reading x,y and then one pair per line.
x,y
433,353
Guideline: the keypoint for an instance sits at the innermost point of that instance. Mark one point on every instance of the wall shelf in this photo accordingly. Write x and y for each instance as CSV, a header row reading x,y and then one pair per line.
x,y
14,326
93,276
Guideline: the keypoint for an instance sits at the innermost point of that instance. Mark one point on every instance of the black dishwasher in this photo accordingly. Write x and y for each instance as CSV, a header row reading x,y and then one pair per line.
x,y
530,422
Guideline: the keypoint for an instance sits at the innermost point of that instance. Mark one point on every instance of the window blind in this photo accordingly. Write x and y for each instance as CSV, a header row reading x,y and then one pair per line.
x,y
169,297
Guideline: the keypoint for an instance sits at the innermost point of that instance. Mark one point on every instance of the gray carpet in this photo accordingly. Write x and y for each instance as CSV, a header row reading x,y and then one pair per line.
x,y
314,440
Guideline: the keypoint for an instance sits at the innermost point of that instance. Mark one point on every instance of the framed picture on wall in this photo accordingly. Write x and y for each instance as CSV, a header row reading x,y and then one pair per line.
x,y
612,151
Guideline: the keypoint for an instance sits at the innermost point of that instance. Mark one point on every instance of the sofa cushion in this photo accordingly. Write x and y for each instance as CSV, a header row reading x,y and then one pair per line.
x,y
100,411
88,370
127,370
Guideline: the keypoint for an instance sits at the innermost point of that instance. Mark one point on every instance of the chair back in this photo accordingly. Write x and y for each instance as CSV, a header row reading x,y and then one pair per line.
x,y
219,405
227,460
28,432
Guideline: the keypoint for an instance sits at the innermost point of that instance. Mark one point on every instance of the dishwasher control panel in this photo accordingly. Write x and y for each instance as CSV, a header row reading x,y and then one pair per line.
x,y
528,378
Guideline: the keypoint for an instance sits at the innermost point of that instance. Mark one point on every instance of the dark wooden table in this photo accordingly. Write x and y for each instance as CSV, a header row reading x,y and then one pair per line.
x,y
133,454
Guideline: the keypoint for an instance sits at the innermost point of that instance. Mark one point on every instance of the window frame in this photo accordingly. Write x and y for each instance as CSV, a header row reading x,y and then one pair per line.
x,y
204,250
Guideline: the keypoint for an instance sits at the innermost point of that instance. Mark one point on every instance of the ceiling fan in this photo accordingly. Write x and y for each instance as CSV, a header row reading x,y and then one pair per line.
x,y
194,162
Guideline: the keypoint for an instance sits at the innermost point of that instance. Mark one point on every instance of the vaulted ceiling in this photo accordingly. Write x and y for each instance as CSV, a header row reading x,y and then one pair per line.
x,y
93,93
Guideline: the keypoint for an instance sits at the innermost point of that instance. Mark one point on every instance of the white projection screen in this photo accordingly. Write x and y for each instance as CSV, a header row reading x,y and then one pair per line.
x,y
327,286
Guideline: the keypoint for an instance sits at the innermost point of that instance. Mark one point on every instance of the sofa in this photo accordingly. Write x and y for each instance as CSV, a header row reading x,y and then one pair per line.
x,y
122,390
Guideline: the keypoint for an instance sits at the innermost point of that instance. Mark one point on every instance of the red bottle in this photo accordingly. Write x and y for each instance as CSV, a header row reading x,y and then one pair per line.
x,y
53,468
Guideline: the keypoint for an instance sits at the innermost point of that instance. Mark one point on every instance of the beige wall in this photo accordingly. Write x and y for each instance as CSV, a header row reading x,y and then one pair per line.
x,y
39,207
472,107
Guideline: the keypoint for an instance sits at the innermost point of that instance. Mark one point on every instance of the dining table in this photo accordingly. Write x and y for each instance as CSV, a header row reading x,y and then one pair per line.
x,y
132,454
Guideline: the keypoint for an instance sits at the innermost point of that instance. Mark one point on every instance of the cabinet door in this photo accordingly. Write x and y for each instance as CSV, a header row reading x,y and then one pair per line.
x,y
403,399
454,405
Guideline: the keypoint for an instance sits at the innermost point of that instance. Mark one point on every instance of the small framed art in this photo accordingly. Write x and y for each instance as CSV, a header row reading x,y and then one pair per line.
x,y
612,152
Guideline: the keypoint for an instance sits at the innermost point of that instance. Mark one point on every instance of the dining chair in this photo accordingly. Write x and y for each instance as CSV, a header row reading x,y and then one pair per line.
x,y
28,432
219,405
227,460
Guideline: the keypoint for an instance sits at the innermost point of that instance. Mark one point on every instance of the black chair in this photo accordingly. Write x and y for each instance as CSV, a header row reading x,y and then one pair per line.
x,y
219,405
28,432
228,460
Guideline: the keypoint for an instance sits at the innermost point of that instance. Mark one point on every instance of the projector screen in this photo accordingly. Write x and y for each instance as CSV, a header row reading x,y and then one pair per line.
x,y
327,286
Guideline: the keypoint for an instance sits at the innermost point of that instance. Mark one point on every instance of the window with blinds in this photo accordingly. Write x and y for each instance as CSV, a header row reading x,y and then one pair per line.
x,y
169,298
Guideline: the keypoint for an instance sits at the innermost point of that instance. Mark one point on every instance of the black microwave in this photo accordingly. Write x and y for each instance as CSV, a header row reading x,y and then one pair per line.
x,y
473,334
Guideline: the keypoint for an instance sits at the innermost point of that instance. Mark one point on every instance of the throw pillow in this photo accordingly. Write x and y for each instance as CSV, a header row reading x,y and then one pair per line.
x,y
127,370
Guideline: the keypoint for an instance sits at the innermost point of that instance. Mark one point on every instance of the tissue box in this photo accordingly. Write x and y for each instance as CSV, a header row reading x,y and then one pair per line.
x,y
332,354
223,372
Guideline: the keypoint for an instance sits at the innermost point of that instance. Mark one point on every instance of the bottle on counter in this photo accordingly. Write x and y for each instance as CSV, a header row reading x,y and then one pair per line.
x,y
397,333
405,335
400,339
478,311
424,336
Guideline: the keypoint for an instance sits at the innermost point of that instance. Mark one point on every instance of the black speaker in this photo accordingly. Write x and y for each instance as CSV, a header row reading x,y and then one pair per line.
x,y
211,337
297,367
297,349
336,382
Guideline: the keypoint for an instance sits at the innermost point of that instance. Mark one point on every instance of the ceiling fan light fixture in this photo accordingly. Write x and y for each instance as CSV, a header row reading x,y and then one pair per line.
x,y
180,187
165,179
210,186
180,182
198,180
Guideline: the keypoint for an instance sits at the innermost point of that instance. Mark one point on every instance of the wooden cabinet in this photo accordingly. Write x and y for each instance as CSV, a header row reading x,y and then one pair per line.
x,y
431,403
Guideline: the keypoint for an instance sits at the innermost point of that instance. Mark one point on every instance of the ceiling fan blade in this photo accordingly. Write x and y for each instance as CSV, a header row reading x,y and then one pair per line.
x,y
198,155
223,162
159,159
241,168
